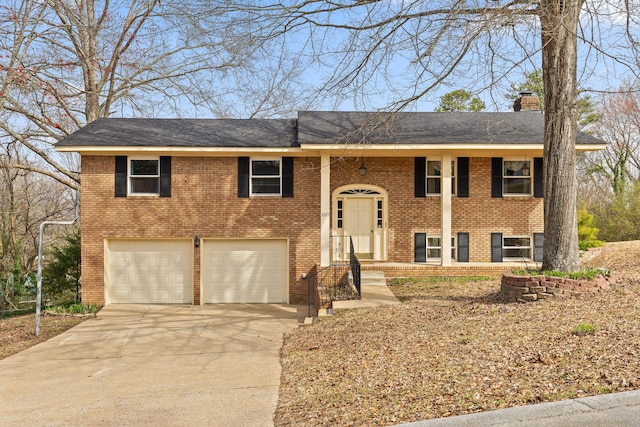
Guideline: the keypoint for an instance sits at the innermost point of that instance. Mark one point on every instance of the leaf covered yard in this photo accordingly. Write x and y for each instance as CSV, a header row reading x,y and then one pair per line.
x,y
453,347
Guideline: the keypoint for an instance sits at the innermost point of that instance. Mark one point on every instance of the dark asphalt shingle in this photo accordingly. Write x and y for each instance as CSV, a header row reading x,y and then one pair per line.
x,y
119,132
326,127
319,127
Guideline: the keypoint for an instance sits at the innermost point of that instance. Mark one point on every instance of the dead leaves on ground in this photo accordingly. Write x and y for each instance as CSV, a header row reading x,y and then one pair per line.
x,y
18,333
453,348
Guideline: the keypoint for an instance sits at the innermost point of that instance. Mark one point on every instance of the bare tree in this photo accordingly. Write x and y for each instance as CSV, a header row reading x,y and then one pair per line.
x,y
26,199
67,63
616,168
407,49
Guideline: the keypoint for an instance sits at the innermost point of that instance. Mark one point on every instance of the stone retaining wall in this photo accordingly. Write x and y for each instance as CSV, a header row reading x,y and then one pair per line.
x,y
516,288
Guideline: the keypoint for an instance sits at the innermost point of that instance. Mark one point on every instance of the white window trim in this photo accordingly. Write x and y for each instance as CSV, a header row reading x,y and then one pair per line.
x,y
531,184
454,165
531,248
129,176
453,248
279,176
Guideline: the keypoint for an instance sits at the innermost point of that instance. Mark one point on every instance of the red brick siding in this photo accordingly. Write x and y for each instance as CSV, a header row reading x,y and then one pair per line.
x,y
204,202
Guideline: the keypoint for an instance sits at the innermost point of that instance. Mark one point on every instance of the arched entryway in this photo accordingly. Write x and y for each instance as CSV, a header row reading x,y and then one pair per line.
x,y
359,212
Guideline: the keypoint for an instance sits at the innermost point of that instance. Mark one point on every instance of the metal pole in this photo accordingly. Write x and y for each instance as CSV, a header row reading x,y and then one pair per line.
x,y
39,275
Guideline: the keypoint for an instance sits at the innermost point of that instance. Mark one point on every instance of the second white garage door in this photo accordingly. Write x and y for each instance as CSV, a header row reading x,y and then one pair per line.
x,y
245,271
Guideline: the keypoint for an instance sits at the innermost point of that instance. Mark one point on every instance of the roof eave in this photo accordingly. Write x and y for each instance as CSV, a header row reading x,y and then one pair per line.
x,y
357,149
110,150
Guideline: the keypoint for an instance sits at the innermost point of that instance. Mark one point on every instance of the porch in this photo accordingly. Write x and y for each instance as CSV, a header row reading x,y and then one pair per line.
x,y
399,269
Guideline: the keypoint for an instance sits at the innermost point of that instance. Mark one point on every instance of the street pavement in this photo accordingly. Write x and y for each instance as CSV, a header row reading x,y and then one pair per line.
x,y
610,410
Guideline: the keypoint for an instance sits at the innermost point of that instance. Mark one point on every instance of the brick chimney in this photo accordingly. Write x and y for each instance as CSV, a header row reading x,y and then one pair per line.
x,y
527,102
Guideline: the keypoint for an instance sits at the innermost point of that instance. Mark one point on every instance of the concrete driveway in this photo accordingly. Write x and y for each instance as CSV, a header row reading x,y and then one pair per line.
x,y
167,365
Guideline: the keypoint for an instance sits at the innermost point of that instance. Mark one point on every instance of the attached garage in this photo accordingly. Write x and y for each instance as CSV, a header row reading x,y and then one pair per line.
x,y
149,271
245,271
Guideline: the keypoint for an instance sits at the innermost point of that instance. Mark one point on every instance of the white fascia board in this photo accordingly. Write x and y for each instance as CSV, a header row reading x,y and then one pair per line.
x,y
184,151
410,150
335,149
590,147
421,147
475,149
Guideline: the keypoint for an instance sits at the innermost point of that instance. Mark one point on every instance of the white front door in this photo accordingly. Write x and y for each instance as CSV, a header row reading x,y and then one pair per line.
x,y
359,225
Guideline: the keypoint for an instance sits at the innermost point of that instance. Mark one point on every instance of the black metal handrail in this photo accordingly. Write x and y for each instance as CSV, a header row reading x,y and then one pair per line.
x,y
354,263
337,282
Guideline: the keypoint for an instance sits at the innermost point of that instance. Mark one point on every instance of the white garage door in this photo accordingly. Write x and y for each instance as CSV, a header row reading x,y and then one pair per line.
x,y
149,271
245,271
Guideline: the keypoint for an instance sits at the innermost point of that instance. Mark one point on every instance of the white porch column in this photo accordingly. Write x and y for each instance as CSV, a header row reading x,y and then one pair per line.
x,y
445,197
325,209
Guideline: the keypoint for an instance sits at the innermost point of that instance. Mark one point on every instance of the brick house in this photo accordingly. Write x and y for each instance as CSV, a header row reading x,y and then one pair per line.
x,y
223,210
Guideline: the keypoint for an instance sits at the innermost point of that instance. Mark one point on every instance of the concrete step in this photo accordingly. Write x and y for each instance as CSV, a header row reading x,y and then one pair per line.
x,y
372,278
371,274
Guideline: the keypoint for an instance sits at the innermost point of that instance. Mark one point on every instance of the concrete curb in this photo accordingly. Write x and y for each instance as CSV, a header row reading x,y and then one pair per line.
x,y
616,409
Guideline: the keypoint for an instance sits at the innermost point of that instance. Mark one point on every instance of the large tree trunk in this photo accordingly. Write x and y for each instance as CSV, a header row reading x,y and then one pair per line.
x,y
559,21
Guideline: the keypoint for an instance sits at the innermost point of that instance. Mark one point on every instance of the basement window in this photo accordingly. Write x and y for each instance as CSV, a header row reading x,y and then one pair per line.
x,y
434,248
516,248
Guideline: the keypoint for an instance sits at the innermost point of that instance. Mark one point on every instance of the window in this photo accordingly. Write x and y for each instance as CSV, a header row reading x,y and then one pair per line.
x,y
265,177
434,248
516,248
144,176
516,177
434,174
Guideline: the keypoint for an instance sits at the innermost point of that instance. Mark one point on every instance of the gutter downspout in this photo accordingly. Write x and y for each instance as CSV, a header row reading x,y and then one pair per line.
x,y
39,275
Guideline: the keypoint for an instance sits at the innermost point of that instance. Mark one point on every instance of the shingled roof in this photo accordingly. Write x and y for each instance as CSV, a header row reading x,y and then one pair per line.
x,y
320,127
333,127
117,132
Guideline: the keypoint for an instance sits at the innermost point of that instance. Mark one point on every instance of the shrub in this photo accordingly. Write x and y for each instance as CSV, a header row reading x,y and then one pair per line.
x,y
75,308
14,289
587,233
61,275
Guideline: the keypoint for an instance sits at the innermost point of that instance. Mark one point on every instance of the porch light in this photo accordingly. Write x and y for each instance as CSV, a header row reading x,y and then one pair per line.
x,y
525,169
196,241
362,169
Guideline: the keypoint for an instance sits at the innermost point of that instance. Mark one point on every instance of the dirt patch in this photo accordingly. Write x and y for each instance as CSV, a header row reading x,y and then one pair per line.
x,y
453,347
18,333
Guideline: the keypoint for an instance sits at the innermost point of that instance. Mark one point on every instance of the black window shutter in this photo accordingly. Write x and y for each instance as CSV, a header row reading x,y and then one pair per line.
x,y
538,178
243,177
463,247
538,244
496,177
421,247
420,176
287,177
165,176
121,176
463,177
496,247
